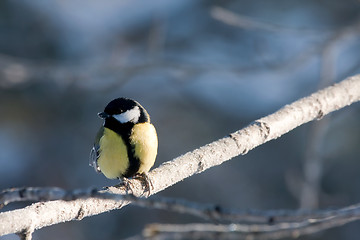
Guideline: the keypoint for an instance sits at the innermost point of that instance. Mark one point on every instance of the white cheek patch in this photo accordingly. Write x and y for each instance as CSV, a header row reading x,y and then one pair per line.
x,y
128,116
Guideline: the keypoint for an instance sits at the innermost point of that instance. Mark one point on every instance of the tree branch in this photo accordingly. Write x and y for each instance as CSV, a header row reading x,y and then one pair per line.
x,y
244,231
212,212
263,130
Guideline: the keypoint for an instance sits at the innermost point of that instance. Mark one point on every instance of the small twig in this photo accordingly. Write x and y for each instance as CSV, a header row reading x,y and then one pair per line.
x,y
230,18
26,234
47,194
207,211
245,231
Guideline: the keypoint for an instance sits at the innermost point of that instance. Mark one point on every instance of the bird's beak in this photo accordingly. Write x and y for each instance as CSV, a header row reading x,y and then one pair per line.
x,y
103,115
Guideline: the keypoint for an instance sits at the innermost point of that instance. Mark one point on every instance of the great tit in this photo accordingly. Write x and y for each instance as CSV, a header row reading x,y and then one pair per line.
x,y
126,145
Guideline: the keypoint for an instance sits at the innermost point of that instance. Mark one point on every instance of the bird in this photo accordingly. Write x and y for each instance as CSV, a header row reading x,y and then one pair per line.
x,y
127,143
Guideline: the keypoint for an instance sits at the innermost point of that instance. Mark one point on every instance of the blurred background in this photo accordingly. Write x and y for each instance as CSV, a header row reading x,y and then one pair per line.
x,y
202,69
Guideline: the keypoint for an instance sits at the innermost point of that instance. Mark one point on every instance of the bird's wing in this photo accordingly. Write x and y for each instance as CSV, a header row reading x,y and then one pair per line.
x,y
95,151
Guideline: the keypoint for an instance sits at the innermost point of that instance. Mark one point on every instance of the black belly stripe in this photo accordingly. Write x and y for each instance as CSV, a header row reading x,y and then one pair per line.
x,y
134,162
124,130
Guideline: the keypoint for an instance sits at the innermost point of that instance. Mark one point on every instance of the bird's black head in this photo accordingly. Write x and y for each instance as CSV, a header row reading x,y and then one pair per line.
x,y
125,110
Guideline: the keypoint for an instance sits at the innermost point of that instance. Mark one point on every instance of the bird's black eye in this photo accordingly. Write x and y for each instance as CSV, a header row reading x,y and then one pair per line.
x,y
103,115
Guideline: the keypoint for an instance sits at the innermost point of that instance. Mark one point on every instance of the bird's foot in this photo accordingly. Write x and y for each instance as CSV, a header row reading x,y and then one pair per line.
x,y
125,182
148,183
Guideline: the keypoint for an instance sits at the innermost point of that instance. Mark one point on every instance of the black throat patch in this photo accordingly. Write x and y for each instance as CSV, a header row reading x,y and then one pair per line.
x,y
124,130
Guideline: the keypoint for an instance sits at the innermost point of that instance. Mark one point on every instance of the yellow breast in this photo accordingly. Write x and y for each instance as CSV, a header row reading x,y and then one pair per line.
x,y
144,139
113,160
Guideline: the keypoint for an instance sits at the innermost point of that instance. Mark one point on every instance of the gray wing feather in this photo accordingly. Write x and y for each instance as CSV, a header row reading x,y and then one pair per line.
x,y
95,151
94,155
